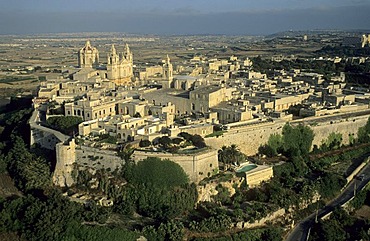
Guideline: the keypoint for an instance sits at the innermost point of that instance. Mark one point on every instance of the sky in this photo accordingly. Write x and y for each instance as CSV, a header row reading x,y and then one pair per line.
x,y
230,17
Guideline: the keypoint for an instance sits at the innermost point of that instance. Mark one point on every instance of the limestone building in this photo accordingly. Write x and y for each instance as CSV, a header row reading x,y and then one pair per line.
x,y
120,68
365,40
167,73
92,109
88,56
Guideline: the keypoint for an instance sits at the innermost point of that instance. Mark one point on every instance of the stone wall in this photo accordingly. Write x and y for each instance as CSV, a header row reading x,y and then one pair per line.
x,y
263,221
346,127
197,165
250,137
43,136
208,190
97,158
66,157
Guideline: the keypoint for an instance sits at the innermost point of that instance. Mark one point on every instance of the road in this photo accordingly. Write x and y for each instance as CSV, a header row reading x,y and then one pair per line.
x,y
300,232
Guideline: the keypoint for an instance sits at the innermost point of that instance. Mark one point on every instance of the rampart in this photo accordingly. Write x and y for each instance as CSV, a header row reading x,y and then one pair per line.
x,y
197,165
98,158
250,137
43,136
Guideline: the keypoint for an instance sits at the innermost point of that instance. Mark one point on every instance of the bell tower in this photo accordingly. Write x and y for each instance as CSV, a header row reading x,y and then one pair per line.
x,y
113,64
167,73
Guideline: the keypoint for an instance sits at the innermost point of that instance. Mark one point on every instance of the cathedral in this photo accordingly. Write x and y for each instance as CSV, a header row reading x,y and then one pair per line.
x,y
119,68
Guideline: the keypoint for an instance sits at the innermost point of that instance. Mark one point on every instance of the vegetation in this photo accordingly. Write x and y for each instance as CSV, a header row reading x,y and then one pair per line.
x,y
42,213
145,143
65,124
230,155
344,224
294,141
340,226
157,172
52,217
29,171
164,189
196,140
364,133
106,138
266,234
333,142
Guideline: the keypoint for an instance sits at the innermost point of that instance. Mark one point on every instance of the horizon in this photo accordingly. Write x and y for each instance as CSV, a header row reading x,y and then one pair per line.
x,y
164,17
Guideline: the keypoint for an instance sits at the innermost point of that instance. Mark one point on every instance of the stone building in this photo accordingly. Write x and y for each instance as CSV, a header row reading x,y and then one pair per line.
x,y
88,56
167,74
91,109
120,68
204,98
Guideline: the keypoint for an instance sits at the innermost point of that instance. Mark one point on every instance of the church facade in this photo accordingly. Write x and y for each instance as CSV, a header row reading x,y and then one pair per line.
x,y
119,68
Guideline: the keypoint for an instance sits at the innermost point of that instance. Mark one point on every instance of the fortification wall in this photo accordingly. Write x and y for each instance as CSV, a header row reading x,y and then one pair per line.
x,y
250,138
346,127
43,136
97,158
196,165
66,157
247,138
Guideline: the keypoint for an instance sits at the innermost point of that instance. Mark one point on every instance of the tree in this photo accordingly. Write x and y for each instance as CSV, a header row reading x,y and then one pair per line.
x,y
276,143
333,142
28,171
230,155
297,140
185,135
65,124
164,190
145,143
157,172
364,133
126,152
198,141
165,141
273,147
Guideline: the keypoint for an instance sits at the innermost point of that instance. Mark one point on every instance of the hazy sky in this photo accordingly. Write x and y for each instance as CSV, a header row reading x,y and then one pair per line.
x,y
181,17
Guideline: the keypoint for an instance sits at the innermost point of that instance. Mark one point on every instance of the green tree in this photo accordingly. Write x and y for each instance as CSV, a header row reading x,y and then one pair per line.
x,y
65,124
28,171
273,147
230,155
157,172
297,140
165,141
364,133
198,141
145,143
332,142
